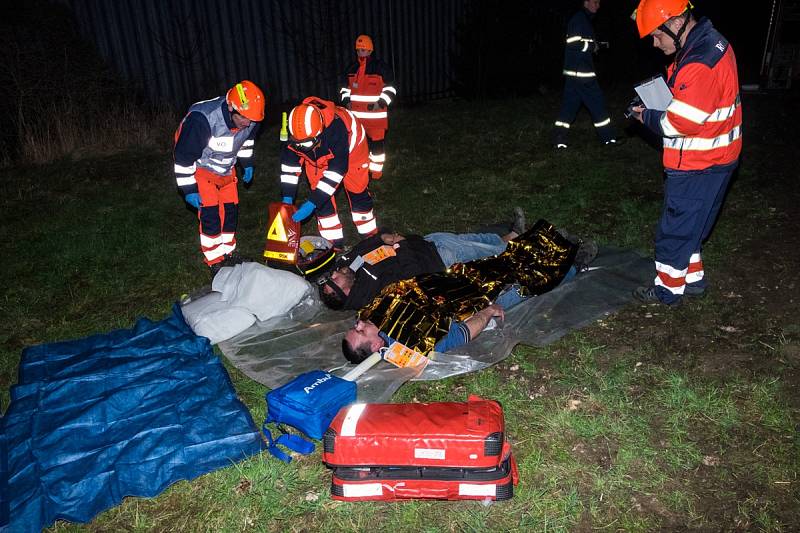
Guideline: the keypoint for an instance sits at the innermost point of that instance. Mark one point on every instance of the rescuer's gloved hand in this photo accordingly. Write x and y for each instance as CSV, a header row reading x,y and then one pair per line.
x,y
304,211
287,200
193,199
248,174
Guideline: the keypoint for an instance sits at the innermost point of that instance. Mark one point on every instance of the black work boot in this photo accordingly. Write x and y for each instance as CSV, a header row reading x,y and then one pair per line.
x,y
649,295
234,258
214,269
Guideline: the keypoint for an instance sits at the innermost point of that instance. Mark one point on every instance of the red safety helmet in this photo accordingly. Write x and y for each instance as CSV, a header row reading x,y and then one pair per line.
x,y
247,99
653,13
305,122
364,42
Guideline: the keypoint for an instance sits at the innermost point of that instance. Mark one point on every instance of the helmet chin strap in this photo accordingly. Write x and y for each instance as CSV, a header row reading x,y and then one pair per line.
x,y
676,37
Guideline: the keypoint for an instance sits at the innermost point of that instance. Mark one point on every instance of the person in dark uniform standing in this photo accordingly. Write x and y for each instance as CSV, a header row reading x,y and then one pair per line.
x,y
580,79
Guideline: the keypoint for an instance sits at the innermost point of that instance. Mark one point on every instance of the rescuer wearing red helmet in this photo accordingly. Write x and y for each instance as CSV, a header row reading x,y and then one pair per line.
x,y
701,128
330,145
368,90
210,139
580,80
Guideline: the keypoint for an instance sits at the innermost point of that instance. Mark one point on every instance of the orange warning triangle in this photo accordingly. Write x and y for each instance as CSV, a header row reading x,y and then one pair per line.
x,y
277,232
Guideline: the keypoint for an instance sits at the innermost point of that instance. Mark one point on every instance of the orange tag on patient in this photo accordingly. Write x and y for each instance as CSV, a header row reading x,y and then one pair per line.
x,y
401,355
379,254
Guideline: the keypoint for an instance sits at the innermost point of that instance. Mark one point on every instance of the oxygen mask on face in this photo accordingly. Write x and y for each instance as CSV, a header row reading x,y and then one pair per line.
x,y
306,145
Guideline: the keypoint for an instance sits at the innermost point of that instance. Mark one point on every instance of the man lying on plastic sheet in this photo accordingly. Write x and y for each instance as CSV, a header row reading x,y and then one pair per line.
x,y
309,336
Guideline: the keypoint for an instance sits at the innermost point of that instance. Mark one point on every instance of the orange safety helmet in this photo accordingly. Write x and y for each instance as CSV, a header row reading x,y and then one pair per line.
x,y
653,13
305,122
247,99
364,42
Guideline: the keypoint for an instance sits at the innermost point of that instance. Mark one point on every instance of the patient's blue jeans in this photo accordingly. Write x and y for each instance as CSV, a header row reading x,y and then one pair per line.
x,y
464,247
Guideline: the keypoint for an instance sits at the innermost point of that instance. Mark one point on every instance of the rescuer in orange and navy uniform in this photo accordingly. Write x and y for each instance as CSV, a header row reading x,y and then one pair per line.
x,y
211,138
702,135
368,90
330,144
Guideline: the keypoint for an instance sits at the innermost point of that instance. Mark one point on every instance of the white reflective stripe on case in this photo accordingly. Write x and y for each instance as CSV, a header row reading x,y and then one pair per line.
x,y
360,490
471,489
351,420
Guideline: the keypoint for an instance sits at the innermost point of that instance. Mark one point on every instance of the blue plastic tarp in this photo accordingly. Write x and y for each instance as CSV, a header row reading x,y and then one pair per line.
x,y
126,413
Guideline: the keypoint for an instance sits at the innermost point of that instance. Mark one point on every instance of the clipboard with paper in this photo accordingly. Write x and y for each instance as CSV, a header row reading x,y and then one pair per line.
x,y
654,93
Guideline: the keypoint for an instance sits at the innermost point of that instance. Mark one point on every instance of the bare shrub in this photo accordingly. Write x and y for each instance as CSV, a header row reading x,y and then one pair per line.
x,y
57,98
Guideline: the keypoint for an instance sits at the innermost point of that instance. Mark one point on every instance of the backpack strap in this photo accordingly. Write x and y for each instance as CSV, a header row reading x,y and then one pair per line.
x,y
292,442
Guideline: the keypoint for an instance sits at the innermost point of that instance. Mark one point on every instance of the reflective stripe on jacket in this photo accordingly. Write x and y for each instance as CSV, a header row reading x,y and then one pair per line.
x,y
375,88
580,45
702,125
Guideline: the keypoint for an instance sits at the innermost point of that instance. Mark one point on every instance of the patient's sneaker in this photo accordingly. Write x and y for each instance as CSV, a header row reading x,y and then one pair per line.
x,y
569,236
587,249
519,225
587,252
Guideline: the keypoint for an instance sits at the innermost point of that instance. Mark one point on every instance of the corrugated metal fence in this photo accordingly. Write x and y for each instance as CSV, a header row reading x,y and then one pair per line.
x,y
181,51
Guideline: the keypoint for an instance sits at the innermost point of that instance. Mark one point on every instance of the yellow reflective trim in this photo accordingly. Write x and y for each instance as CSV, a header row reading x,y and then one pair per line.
x,y
283,256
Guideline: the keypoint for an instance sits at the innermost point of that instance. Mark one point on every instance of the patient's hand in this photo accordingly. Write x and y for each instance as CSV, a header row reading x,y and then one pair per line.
x,y
391,238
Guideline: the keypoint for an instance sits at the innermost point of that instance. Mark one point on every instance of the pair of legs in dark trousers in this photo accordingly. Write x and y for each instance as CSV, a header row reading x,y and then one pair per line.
x,y
692,200
330,226
577,92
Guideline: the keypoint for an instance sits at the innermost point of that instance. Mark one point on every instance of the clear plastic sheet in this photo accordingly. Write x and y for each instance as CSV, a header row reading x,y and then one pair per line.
x,y
275,351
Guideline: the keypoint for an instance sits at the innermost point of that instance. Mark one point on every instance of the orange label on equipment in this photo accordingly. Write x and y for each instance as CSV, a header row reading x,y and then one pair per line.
x,y
401,355
379,254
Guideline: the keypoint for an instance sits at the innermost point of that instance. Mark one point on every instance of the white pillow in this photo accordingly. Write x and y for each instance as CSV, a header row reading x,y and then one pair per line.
x,y
210,317
265,292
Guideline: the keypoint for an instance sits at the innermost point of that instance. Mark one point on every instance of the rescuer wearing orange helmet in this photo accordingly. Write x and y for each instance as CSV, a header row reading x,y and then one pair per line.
x,y
580,79
210,139
368,90
701,128
330,145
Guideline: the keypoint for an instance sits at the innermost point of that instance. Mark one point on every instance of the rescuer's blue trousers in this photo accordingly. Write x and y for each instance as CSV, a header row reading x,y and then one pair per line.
x,y
577,92
692,200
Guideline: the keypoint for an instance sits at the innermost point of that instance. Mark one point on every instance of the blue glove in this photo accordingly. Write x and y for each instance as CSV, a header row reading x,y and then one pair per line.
x,y
304,211
287,200
248,174
193,199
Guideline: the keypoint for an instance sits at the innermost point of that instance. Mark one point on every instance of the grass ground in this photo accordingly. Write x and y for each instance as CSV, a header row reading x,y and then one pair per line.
x,y
651,419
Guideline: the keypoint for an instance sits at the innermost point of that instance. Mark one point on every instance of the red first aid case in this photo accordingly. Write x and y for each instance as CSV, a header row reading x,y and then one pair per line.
x,y
443,450
397,483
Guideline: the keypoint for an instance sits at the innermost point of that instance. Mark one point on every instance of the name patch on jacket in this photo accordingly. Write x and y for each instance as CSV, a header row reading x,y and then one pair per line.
x,y
221,144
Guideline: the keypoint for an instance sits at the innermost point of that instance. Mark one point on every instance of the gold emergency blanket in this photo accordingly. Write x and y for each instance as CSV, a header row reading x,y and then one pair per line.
x,y
418,312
